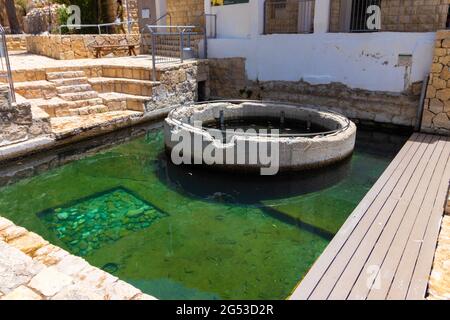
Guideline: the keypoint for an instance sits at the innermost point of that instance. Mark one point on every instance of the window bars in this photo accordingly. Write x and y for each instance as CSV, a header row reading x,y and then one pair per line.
x,y
5,66
361,12
288,16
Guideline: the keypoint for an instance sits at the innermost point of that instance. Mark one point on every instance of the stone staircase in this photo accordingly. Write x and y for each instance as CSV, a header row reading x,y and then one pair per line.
x,y
78,96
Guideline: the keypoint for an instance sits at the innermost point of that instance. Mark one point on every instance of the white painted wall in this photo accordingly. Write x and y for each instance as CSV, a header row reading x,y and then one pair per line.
x,y
366,61
233,21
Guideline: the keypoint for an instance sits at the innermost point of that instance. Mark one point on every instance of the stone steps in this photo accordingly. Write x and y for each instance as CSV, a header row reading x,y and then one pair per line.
x,y
57,107
36,89
85,102
89,110
123,101
70,81
78,96
65,75
73,88
64,127
123,85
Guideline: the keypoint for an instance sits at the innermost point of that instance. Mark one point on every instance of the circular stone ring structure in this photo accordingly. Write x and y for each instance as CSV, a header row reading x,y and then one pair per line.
x,y
295,151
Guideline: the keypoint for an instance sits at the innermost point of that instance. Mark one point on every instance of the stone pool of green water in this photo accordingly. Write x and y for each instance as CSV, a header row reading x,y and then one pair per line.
x,y
190,233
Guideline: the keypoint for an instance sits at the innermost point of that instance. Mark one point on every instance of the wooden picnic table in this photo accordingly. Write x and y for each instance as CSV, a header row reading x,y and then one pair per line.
x,y
112,47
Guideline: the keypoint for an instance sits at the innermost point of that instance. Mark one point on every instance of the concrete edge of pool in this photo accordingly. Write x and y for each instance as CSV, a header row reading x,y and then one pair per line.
x,y
44,143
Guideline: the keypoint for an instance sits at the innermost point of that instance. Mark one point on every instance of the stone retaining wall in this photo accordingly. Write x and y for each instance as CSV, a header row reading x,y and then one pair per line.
x,y
228,80
66,47
179,85
14,122
17,122
16,42
436,114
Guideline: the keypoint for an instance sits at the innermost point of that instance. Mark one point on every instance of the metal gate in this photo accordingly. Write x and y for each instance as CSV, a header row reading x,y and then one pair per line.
x,y
5,66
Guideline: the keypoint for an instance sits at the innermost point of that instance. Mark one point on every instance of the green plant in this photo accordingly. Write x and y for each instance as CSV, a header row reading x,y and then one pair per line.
x,y
63,15
88,9
23,5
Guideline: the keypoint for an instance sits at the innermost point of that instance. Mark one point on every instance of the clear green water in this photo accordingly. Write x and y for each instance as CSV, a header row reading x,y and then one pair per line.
x,y
189,233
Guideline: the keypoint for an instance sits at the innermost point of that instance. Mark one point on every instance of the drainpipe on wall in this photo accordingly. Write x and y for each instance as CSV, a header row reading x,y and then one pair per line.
x,y
421,105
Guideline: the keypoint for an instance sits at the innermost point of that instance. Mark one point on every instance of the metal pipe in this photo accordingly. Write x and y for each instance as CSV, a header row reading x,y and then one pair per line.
x,y
182,46
8,65
153,55
419,114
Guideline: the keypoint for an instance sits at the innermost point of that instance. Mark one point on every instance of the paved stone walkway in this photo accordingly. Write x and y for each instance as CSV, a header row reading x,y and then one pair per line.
x,y
439,284
33,269
28,61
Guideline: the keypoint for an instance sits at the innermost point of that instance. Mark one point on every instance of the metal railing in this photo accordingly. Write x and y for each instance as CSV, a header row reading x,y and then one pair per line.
x,y
5,66
107,26
207,22
288,16
164,16
171,44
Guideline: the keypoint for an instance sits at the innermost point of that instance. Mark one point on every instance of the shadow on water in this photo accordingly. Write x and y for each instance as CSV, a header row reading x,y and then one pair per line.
x,y
232,187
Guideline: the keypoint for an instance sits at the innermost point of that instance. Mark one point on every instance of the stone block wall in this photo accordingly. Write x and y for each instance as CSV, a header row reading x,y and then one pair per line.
x,y
16,42
185,12
179,85
436,114
15,120
227,77
228,80
402,15
66,47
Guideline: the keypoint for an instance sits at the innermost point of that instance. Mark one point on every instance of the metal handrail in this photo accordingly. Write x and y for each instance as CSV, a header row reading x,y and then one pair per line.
x,y
98,26
181,30
213,15
12,93
162,17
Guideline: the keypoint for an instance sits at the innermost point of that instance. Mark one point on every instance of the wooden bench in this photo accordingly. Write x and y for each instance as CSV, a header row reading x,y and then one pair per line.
x,y
112,47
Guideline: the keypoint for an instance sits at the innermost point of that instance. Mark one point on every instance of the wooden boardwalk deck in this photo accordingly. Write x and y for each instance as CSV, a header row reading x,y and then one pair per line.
x,y
386,247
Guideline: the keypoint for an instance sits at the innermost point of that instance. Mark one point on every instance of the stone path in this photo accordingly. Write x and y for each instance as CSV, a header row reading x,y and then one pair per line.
x,y
439,284
33,269
27,61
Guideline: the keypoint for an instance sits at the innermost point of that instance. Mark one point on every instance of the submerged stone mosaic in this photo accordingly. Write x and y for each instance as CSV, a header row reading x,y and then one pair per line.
x,y
89,223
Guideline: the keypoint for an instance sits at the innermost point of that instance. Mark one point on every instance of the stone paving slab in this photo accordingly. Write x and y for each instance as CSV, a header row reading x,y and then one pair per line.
x,y
33,269
27,61
439,284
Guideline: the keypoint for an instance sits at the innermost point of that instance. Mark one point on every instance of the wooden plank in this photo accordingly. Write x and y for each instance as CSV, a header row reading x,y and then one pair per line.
x,y
419,281
389,248
388,219
401,281
335,270
307,285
